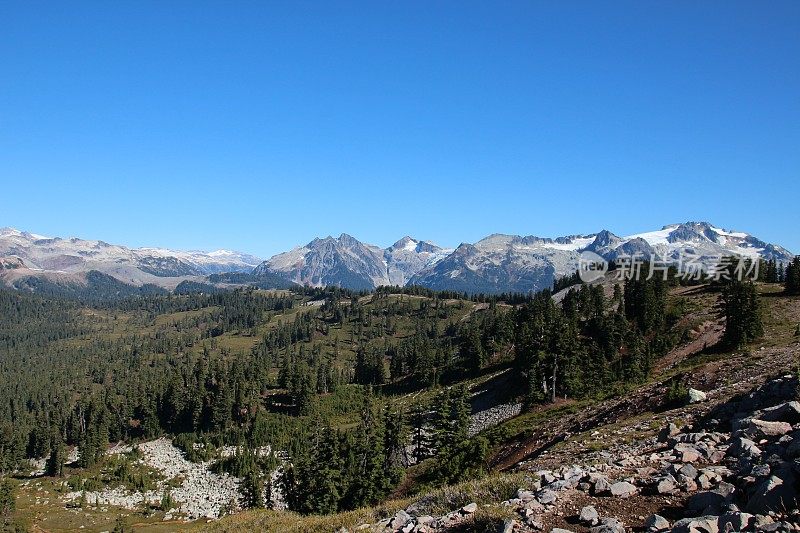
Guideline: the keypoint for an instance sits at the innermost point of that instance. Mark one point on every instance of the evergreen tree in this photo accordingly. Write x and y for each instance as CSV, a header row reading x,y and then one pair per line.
x,y
792,276
8,502
473,348
460,415
419,439
369,478
54,467
395,457
742,313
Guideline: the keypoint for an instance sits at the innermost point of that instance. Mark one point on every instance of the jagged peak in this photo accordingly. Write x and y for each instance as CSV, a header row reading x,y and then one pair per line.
x,y
403,242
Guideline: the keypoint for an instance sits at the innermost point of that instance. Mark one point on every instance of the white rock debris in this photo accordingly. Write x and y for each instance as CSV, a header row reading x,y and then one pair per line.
x,y
201,493
492,416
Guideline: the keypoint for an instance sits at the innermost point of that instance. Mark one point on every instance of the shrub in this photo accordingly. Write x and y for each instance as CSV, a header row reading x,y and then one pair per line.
x,y
8,502
677,392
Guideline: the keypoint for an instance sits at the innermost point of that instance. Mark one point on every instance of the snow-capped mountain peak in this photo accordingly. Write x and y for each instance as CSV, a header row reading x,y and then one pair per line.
x,y
513,263
494,264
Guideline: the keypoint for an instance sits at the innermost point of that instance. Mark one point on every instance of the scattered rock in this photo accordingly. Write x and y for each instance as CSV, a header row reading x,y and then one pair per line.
x,y
469,508
588,515
608,525
656,523
666,485
763,428
735,521
688,470
600,483
741,446
703,500
702,524
687,453
696,396
401,518
772,495
785,412
623,489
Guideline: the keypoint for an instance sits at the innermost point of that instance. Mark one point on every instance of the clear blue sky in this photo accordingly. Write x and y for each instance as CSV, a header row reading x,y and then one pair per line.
x,y
259,125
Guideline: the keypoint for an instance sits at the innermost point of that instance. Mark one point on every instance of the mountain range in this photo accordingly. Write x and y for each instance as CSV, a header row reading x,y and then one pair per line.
x,y
498,263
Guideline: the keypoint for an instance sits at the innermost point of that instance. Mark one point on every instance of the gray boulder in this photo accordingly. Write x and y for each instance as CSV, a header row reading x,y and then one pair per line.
x,y
785,412
400,519
760,521
600,483
608,525
704,500
687,453
525,495
701,524
764,428
547,496
773,494
623,489
666,485
688,470
588,515
656,523
742,447
546,476
734,521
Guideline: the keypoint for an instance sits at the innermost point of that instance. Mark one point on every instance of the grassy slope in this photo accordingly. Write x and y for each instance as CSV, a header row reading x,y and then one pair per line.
x,y
638,413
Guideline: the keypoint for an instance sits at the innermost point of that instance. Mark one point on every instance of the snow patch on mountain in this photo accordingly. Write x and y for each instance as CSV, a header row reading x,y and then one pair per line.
x,y
513,263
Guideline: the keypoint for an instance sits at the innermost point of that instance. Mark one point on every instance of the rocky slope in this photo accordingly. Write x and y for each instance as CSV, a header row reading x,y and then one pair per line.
x,y
727,461
198,492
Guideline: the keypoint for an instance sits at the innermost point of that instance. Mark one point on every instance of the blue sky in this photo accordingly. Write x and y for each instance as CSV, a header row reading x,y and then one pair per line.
x,y
260,125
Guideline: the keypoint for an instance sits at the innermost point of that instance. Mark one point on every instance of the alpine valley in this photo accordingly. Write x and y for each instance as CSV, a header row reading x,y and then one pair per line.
x,y
494,265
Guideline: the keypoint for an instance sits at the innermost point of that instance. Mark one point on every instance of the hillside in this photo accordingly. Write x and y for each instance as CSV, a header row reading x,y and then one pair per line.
x,y
160,410
548,464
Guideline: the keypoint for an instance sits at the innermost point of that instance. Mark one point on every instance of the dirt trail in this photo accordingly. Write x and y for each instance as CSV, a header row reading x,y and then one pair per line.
x,y
708,334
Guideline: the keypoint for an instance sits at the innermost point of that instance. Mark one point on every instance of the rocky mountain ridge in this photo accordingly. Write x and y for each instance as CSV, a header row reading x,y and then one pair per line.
x,y
496,264
68,261
345,261
503,263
